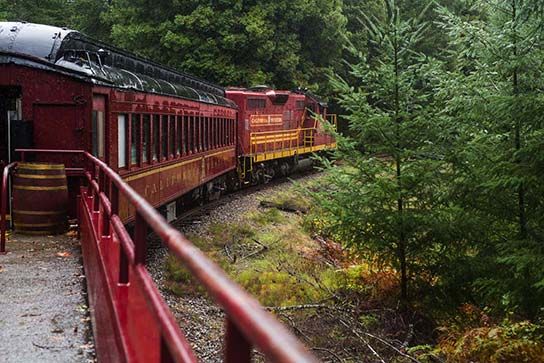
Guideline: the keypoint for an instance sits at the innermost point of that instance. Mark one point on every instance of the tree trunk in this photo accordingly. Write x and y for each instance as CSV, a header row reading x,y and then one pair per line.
x,y
401,253
402,241
522,217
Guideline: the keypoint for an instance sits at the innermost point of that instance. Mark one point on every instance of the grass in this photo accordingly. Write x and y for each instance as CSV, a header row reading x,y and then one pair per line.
x,y
269,254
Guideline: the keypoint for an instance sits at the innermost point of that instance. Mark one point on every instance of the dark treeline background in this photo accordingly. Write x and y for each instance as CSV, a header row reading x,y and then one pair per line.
x,y
442,177
284,43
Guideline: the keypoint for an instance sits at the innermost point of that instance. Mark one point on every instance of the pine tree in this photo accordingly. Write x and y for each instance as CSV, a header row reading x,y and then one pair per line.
x,y
497,104
386,201
284,43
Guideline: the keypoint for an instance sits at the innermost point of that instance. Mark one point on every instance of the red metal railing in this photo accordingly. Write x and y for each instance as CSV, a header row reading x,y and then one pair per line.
x,y
132,321
247,324
4,198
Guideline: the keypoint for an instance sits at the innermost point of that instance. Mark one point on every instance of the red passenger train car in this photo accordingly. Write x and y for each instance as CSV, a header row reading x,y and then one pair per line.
x,y
165,132
171,136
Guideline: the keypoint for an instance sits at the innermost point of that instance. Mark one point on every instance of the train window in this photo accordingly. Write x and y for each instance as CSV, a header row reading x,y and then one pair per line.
x,y
255,103
214,122
233,131
164,136
98,134
211,131
191,135
227,136
134,139
172,135
179,134
225,132
156,137
217,133
146,125
229,127
200,128
220,138
206,133
198,123
122,140
185,136
194,138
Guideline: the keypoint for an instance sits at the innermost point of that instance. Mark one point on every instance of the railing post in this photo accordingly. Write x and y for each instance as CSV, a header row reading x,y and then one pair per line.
x,y
96,194
166,356
4,200
114,199
123,265
140,239
105,187
237,347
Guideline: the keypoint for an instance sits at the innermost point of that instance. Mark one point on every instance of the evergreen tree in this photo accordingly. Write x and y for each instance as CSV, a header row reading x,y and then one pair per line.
x,y
283,43
387,200
51,12
88,17
495,100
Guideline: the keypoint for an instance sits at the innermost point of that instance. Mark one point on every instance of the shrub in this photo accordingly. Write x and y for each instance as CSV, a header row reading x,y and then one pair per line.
x,y
505,343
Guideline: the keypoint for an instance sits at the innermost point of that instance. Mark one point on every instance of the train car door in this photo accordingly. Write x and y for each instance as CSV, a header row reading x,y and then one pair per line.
x,y
11,123
98,128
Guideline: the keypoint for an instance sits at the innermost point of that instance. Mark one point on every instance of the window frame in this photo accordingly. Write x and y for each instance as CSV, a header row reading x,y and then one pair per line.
x,y
122,147
255,103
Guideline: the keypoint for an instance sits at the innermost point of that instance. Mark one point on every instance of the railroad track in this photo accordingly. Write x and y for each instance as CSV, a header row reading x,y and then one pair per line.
x,y
194,213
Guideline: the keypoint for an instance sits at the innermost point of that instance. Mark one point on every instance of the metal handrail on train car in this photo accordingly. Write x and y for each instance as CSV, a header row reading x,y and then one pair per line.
x,y
283,140
4,205
247,323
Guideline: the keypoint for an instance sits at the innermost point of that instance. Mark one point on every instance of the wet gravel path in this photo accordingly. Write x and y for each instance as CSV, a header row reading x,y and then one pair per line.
x,y
43,310
199,318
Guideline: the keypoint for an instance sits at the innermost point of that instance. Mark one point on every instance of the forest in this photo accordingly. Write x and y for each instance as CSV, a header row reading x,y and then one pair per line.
x,y
438,178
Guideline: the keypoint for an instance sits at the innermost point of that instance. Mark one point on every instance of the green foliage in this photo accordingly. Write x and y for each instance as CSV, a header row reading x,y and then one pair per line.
x,y
89,18
242,43
179,280
226,233
507,342
387,201
493,99
271,216
277,288
52,12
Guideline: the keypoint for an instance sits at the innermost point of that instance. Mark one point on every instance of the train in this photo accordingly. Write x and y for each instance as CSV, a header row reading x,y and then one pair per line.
x,y
171,136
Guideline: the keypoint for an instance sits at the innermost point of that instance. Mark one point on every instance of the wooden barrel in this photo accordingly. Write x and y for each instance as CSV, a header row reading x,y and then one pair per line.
x,y
40,198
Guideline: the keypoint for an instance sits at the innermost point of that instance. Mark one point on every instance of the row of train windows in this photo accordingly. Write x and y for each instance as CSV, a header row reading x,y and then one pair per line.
x,y
163,137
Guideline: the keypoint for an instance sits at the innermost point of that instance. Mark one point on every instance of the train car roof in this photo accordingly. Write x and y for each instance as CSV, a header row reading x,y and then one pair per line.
x,y
271,92
73,53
